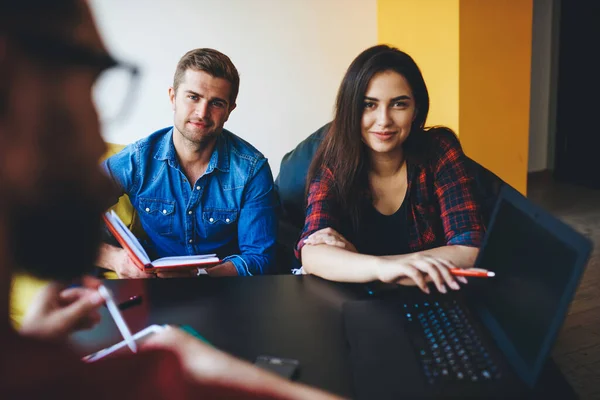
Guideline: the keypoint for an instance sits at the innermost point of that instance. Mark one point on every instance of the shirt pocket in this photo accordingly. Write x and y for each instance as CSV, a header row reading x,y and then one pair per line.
x,y
158,215
220,223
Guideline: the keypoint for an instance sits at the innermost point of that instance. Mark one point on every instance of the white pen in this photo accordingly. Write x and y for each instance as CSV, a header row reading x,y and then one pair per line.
x,y
116,315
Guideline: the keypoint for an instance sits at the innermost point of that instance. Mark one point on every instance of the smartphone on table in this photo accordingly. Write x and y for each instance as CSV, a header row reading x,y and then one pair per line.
x,y
285,367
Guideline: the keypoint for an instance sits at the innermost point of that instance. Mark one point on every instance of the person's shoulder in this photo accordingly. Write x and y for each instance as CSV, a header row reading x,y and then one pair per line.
x,y
441,139
436,144
241,148
145,145
153,141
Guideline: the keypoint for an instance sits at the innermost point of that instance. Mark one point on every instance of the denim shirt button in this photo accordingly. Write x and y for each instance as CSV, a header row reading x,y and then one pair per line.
x,y
189,212
211,220
227,220
147,210
190,241
197,187
164,211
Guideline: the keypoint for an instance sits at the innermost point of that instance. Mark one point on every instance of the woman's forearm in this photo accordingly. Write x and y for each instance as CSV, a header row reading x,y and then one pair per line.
x,y
337,264
461,256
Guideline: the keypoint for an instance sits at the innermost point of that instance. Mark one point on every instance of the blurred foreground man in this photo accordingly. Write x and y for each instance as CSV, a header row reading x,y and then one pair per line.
x,y
53,194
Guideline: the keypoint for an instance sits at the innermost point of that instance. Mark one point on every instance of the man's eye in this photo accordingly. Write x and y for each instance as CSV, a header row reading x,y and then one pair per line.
x,y
218,104
193,97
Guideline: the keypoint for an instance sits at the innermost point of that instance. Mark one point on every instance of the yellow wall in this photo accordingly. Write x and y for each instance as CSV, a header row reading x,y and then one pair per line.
x,y
475,56
495,79
433,44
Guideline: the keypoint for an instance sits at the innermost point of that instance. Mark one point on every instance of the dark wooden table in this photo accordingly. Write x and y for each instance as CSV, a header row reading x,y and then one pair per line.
x,y
284,316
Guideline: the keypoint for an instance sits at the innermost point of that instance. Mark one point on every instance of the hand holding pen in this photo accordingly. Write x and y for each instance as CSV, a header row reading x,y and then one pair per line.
x,y
118,318
57,311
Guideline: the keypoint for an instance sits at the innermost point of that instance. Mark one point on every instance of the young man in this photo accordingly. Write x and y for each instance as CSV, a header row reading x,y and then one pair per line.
x,y
196,187
53,192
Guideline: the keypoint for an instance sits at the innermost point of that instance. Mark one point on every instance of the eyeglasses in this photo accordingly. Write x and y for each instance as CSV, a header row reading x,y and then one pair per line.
x,y
114,92
115,87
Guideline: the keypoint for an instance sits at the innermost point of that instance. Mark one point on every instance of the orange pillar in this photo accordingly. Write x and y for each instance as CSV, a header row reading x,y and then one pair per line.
x,y
494,84
475,56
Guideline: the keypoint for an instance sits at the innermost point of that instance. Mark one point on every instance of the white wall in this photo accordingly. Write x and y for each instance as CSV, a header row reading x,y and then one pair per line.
x,y
291,55
541,56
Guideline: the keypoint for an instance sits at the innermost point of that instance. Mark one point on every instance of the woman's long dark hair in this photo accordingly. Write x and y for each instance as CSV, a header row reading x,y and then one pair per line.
x,y
342,150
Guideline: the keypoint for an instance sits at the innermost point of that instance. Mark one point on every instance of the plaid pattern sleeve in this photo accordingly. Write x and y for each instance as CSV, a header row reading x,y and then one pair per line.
x,y
455,189
320,208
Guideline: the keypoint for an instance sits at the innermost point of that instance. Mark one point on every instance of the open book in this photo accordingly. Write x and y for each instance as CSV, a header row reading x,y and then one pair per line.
x,y
140,258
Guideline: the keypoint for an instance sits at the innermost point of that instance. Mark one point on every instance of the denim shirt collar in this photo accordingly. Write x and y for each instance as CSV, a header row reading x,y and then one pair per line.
x,y
219,158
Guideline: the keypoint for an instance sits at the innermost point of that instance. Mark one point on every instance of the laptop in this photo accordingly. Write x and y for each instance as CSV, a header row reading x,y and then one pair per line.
x,y
490,339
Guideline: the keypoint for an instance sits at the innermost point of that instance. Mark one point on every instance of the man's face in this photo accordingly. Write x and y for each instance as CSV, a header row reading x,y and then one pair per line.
x,y
201,106
54,190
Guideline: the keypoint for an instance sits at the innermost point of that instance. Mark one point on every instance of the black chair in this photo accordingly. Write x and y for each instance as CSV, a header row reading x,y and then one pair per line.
x,y
488,187
291,181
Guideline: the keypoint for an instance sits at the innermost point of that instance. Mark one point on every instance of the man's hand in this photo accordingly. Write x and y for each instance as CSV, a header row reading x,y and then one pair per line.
x,y
116,259
56,312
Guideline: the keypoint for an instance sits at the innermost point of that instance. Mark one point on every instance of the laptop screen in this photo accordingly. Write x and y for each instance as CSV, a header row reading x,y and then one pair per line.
x,y
538,262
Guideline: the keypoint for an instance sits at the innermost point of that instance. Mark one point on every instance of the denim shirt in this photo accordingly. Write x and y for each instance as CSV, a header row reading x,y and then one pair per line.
x,y
230,210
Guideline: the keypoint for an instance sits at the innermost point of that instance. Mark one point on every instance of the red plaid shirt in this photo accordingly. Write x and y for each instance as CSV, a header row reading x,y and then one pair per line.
x,y
443,210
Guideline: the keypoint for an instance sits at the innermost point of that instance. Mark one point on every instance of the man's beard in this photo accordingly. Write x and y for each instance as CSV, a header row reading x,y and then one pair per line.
x,y
201,140
57,236
55,229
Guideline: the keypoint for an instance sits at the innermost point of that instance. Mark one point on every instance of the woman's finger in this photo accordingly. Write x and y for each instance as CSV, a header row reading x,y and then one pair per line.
x,y
325,239
444,270
334,242
450,279
428,266
417,277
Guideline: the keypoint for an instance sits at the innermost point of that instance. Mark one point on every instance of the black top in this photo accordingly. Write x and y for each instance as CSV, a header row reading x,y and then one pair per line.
x,y
382,235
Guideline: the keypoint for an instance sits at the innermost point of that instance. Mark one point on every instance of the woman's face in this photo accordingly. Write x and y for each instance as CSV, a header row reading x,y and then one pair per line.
x,y
389,110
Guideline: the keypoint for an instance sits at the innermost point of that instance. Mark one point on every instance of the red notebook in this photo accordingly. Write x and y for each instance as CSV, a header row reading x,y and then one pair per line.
x,y
140,258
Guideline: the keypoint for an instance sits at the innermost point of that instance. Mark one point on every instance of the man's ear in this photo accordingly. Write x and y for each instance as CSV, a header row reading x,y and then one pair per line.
x,y
172,97
231,108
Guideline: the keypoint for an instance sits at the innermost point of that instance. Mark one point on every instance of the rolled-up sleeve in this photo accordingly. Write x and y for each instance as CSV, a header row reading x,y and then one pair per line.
x,y
321,209
257,226
455,189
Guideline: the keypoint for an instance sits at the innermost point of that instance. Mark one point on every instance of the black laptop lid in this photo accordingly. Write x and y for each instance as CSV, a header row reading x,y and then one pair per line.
x,y
538,262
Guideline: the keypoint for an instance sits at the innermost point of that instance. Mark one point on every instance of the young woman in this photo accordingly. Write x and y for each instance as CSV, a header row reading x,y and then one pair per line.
x,y
389,199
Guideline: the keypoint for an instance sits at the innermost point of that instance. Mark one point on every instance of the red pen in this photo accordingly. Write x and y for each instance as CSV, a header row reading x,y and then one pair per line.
x,y
472,272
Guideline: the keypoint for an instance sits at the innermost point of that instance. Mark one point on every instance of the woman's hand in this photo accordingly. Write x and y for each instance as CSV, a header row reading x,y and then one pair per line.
x,y
331,237
418,269
57,311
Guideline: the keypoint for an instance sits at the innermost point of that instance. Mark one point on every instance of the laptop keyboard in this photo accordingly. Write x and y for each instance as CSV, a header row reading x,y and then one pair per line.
x,y
447,344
